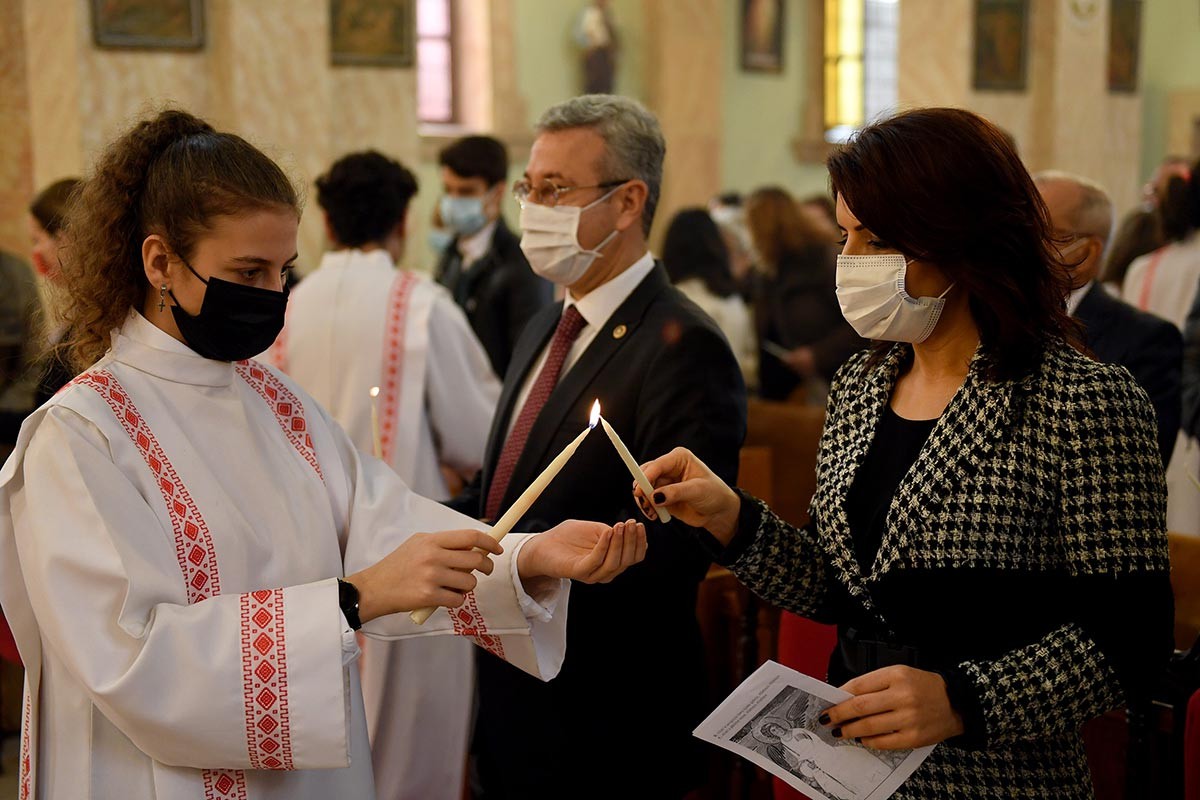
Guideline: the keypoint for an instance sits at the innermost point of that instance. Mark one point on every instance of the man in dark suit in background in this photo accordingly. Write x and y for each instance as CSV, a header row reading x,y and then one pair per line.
x,y
1117,333
665,376
483,266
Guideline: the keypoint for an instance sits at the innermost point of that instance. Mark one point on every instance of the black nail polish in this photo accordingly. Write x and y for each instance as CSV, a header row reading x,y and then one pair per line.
x,y
837,733
823,719
659,498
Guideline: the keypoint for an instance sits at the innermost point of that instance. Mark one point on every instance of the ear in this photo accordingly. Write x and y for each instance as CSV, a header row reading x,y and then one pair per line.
x,y
156,261
631,201
493,200
401,228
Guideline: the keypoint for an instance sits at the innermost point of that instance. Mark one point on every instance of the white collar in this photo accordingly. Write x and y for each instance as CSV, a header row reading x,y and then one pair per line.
x,y
603,301
144,346
474,247
341,259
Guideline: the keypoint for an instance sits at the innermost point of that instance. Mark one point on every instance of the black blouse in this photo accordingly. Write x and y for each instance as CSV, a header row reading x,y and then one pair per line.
x,y
897,443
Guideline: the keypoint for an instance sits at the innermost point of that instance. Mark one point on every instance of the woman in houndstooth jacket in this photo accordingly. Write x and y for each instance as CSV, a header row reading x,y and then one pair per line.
x,y
988,526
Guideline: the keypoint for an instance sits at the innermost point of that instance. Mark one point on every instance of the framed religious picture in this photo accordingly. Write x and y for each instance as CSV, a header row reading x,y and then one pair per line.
x,y
1001,45
1124,33
148,24
378,33
762,35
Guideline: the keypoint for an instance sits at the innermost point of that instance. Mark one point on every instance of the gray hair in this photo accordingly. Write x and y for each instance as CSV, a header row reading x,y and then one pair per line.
x,y
1094,215
633,141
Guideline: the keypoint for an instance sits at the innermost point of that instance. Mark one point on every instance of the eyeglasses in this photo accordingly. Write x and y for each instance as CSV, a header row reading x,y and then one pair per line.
x,y
549,193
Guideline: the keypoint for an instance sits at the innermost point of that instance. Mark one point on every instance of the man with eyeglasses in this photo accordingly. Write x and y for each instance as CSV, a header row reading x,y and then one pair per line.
x,y
1117,333
483,266
665,377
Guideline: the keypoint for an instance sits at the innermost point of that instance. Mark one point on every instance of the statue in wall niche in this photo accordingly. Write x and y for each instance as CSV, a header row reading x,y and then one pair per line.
x,y
596,35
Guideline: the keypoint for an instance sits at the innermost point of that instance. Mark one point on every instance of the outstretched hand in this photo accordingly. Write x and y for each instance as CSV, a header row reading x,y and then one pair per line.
x,y
588,552
692,492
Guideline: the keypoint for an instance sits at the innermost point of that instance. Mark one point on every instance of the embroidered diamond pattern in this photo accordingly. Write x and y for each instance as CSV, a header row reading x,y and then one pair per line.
x,y
272,762
262,618
284,409
224,784
190,530
287,408
267,725
270,745
263,643
265,698
197,555
265,671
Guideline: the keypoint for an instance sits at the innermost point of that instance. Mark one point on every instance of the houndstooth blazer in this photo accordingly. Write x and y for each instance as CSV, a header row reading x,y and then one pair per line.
x,y
1056,474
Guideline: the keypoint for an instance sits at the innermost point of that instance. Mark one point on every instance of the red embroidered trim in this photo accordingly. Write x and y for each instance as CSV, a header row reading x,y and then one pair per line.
x,y
193,542
468,621
26,791
287,408
264,677
393,361
224,784
197,559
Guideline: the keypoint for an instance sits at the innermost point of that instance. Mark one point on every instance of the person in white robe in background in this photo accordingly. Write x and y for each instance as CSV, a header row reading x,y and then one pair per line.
x,y
176,522
358,322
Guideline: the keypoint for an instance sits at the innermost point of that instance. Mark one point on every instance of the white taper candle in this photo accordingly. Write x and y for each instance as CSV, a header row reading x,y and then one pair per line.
x,y
635,469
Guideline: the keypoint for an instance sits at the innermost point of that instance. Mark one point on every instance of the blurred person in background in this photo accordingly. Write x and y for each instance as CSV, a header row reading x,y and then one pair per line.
x,y
796,310
1164,283
697,262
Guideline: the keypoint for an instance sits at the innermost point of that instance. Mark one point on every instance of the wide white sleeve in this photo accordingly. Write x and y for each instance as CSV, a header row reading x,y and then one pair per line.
x,y
179,680
461,390
498,616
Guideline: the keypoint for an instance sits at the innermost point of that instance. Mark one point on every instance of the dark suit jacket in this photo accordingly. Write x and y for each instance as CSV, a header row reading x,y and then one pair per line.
x,y
1149,347
619,716
499,293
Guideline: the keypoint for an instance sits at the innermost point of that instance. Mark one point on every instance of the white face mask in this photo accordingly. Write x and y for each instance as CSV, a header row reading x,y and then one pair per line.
x,y
550,240
870,290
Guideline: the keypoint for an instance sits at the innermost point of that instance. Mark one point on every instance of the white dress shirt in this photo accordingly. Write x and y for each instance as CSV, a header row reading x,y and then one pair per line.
x,y
596,308
474,247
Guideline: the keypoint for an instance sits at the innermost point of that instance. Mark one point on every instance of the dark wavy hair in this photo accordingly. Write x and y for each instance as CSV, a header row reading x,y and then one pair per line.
x,y
476,157
945,186
1180,205
51,204
364,195
693,248
172,175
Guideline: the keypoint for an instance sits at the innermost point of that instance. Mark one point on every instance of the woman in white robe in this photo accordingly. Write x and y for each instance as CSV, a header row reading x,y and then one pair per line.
x,y
358,322
174,526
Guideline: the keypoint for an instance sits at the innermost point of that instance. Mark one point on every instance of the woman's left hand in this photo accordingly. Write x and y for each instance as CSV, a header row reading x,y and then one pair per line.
x,y
895,708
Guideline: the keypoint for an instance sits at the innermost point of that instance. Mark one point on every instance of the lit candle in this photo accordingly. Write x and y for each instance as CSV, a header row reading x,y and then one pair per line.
x,y
375,422
634,469
528,497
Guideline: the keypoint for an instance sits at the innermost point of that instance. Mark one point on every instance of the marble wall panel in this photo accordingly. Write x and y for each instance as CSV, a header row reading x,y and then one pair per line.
x,y
16,151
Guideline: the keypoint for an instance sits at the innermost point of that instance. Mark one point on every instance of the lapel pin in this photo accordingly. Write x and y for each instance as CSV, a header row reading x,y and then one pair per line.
x,y
620,331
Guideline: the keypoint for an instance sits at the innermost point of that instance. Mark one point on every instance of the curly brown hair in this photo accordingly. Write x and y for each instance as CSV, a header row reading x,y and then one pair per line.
x,y
171,175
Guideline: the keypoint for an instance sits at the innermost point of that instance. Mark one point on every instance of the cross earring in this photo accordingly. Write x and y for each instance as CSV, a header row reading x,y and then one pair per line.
x,y
162,297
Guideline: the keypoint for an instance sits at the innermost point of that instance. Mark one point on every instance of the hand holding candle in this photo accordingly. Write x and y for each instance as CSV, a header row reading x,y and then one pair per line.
x,y
504,525
634,469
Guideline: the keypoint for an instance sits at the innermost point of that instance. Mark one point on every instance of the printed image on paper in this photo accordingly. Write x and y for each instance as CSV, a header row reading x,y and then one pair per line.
x,y
771,720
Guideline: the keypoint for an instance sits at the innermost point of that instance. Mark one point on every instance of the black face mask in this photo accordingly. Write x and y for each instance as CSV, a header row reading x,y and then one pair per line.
x,y
235,322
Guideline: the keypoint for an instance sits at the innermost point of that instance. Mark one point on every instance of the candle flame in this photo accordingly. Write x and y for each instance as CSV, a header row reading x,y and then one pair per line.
x,y
595,419
374,391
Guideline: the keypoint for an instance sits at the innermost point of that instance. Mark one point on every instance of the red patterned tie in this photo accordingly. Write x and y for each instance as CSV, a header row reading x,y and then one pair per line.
x,y
565,334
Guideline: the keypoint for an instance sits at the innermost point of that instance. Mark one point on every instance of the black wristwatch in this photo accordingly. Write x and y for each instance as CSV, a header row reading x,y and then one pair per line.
x,y
348,600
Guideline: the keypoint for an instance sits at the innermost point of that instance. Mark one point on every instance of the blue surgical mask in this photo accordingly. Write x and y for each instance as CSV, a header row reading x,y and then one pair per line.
x,y
463,215
439,239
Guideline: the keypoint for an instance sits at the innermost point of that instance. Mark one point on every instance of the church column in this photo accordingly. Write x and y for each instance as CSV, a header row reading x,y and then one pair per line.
x,y
684,41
